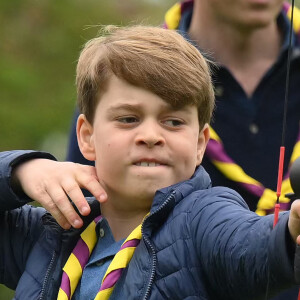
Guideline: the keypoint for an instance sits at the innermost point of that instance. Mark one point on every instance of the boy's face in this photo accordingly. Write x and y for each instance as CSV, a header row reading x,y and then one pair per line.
x,y
139,143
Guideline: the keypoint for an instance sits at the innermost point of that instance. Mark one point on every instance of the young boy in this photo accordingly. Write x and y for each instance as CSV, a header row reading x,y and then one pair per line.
x,y
146,99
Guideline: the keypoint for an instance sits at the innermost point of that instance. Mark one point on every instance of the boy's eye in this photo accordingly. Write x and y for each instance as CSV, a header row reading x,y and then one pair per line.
x,y
173,123
127,120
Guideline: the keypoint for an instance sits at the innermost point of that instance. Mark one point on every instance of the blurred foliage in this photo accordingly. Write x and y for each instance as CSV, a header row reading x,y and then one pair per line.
x,y
40,44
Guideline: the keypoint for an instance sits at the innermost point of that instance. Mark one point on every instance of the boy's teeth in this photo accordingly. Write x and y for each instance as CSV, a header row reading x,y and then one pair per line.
x,y
146,164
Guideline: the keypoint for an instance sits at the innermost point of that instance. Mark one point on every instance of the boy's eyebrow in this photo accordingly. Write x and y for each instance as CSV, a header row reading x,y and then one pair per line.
x,y
124,106
137,107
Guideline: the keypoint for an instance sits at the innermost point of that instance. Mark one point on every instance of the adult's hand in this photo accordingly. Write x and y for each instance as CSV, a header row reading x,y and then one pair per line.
x,y
50,183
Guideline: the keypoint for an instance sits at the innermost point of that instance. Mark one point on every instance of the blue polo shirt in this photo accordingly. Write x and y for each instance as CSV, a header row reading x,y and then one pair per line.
x,y
99,261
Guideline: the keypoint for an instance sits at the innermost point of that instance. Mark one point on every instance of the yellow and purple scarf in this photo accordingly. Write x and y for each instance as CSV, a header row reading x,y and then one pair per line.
x,y
72,271
267,198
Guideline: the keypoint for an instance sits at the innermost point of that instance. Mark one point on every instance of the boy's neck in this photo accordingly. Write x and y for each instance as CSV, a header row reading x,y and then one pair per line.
x,y
122,222
247,54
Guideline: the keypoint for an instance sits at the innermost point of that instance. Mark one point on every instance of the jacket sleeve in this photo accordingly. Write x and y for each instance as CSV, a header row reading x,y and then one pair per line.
x,y
20,224
9,160
240,252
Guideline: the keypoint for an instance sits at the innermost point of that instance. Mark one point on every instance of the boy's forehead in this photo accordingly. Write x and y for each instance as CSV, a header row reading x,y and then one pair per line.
x,y
122,95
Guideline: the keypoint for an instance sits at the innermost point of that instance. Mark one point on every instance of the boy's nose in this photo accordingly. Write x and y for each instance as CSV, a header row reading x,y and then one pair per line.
x,y
150,135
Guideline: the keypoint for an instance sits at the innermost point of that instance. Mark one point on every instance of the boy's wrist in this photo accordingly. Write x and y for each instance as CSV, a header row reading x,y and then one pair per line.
x,y
18,163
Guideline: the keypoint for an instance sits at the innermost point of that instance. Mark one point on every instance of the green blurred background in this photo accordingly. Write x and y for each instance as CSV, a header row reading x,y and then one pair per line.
x,y
40,44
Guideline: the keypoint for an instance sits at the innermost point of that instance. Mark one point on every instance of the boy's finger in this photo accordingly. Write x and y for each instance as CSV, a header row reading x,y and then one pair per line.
x,y
51,207
77,197
65,207
60,219
90,183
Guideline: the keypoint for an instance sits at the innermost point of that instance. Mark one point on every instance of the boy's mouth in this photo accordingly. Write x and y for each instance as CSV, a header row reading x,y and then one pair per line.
x,y
147,164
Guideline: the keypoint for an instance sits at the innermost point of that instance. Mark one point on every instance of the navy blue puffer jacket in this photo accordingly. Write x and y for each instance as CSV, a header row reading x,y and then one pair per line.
x,y
198,243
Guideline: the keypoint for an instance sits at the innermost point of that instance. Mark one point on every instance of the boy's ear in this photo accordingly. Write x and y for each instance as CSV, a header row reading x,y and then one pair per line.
x,y
203,139
85,138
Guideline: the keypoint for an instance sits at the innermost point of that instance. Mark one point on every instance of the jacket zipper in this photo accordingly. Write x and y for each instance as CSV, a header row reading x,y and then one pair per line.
x,y
45,283
154,259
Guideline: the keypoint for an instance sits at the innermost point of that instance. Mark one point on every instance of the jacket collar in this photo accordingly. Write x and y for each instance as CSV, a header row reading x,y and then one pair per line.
x,y
51,225
165,199
199,181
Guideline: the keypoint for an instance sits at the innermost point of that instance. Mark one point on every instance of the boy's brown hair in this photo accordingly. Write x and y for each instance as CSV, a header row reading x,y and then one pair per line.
x,y
158,60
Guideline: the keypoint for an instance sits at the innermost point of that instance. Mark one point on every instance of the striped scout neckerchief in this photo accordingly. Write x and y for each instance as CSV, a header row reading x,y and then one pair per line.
x,y
72,271
267,198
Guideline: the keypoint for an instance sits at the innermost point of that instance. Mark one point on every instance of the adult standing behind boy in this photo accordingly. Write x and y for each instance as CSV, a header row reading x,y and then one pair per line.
x,y
249,41
147,135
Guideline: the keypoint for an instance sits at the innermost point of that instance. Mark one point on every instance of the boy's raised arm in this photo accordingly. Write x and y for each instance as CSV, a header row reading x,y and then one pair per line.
x,y
239,249
51,183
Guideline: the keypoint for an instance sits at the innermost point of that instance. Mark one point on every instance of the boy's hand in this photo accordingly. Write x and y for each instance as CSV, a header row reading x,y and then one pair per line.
x,y
49,182
294,221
